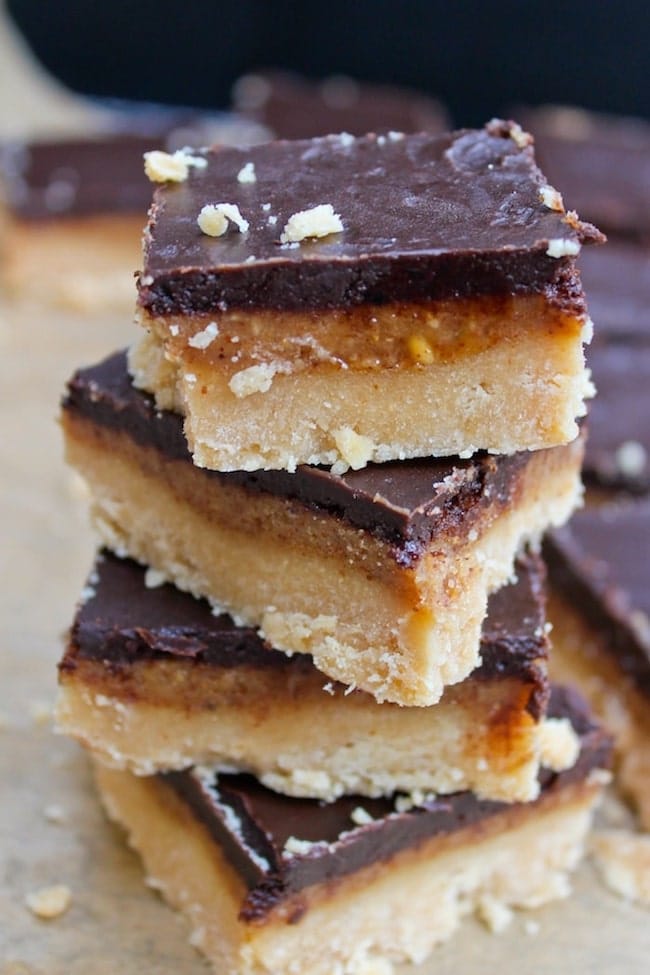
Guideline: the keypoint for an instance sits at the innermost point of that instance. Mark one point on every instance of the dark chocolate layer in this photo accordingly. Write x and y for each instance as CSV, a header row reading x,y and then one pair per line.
x,y
600,563
293,108
105,174
601,164
618,444
122,622
77,178
405,503
425,218
252,824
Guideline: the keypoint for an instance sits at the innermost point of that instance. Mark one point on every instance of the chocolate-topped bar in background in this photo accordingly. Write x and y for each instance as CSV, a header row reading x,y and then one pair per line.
x,y
180,686
292,107
73,211
600,163
382,574
599,606
269,883
340,301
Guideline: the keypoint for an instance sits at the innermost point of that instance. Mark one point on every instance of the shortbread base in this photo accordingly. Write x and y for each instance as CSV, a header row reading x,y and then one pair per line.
x,y
523,392
301,738
313,583
366,921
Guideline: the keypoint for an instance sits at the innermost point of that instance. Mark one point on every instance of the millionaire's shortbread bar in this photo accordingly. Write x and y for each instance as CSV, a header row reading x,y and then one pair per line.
x,y
340,301
600,610
381,574
152,680
286,885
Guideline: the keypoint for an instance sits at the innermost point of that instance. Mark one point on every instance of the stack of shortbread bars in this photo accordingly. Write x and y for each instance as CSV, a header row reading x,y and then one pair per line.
x,y
311,661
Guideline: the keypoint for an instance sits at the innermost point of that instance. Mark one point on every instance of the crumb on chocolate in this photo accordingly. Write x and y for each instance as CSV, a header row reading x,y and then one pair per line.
x,y
171,167
551,198
49,902
318,221
215,219
561,247
296,847
361,816
247,173
519,136
631,458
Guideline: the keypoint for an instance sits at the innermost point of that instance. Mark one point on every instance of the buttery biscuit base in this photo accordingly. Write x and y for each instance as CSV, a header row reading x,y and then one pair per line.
x,y
599,606
442,314
152,680
382,575
269,883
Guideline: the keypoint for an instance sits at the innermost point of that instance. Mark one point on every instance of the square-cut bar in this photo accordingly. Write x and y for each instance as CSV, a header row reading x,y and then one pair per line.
x,y
366,299
280,885
152,680
600,610
381,574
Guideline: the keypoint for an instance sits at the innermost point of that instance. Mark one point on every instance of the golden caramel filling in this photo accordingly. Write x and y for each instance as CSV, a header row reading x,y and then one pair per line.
x,y
360,338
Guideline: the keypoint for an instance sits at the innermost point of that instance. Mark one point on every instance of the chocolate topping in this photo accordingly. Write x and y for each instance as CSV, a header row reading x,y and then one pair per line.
x,y
600,563
293,108
47,180
406,503
618,445
123,622
252,825
425,217
601,164
616,279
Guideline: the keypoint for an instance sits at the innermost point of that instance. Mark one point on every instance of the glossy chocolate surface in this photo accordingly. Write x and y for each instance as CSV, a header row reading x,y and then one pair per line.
x,y
293,108
618,444
600,563
124,622
425,217
405,503
252,824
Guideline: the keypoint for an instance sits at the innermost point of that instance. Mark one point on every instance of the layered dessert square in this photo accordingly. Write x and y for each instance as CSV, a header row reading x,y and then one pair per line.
x,y
152,680
382,574
599,606
340,301
286,885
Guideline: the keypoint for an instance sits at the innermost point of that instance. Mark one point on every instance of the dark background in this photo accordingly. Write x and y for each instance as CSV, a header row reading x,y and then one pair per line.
x,y
480,58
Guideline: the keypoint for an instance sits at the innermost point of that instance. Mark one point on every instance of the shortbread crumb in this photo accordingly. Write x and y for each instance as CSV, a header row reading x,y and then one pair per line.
x,y
205,337
623,859
495,915
559,744
319,221
170,167
153,578
49,902
551,198
247,173
561,247
361,816
355,449
254,379
296,847
215,218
